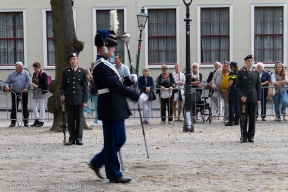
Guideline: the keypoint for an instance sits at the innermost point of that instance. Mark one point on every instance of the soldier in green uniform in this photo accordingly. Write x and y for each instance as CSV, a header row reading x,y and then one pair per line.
x,y
74,91
232,97
248,91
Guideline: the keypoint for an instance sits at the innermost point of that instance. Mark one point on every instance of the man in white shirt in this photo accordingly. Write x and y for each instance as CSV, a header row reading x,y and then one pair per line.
x,y
122,69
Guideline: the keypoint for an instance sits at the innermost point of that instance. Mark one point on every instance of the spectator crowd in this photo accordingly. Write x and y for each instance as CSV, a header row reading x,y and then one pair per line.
x,y
169,86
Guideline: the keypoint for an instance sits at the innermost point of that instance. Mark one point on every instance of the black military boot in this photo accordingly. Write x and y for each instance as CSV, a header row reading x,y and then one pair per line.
x,y
36,122
236,122
230,123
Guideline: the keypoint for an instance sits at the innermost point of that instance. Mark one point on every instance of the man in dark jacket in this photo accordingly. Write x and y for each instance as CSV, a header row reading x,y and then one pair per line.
x,y
232,96
112,106
248,90
74,91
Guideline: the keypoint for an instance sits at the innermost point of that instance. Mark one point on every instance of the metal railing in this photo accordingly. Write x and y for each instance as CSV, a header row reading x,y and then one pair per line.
x,y
201,106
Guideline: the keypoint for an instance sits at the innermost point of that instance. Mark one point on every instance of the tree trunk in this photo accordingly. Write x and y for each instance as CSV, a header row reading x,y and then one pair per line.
x,y
65,42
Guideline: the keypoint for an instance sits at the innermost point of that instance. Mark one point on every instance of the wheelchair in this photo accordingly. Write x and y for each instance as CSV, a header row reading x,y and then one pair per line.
x,y
201,106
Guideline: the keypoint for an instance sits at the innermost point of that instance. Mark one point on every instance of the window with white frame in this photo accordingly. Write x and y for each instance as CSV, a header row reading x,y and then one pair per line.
x,y
49,37
215,35
11,38
162,45
48,43
103,22
268,29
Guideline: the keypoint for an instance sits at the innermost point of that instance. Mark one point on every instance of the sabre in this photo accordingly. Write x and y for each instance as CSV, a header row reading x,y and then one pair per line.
x,y
126,39
242,120
63,122
121,161
114,27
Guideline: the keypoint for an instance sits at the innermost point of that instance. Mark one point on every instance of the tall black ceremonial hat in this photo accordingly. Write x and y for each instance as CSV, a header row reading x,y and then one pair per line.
x,y
105,38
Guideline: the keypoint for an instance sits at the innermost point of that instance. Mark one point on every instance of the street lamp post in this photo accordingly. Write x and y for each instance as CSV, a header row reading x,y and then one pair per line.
x,y
142,18
188,123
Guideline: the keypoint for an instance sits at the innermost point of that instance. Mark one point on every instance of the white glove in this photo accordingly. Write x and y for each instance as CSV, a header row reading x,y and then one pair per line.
x,y
133,77
143,97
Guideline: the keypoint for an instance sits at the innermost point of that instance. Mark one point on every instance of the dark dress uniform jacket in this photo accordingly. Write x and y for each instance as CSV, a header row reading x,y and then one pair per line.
x,y
74,86
112,105
248,86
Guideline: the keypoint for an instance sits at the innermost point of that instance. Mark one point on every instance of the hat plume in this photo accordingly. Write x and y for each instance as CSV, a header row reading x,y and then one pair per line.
x,y
114,20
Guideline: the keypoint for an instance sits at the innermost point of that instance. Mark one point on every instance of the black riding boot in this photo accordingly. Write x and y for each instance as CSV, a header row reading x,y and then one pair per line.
x,y
40,124
36,122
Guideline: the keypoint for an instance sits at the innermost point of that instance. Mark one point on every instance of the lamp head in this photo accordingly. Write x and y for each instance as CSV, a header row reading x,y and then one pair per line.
x,y
187,4
142,18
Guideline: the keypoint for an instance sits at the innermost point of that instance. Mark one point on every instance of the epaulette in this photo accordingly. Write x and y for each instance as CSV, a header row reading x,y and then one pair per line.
x,y
82,68
79,69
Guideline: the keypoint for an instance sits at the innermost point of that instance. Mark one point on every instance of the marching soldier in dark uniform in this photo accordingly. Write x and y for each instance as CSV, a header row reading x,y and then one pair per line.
x,y
112,106
232,97
248,91
74,91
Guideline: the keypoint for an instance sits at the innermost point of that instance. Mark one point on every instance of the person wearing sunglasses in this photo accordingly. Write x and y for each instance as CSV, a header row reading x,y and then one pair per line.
x,y
165,84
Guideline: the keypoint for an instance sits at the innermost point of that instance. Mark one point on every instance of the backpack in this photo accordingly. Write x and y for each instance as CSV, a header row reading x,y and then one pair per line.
x,y
49,78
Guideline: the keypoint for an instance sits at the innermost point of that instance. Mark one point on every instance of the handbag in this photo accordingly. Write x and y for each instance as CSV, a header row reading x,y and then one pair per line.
x,y
209,85
175,90
151,96
165,94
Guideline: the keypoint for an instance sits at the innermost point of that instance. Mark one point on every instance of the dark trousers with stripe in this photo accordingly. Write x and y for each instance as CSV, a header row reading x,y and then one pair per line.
x,y
75,116
114,139
251,108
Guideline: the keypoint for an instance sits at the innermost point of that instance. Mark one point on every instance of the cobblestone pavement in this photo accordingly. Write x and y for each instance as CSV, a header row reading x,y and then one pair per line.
x,y
210,159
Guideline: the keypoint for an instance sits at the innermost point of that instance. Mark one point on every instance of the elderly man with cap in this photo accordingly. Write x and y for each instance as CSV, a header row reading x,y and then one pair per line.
x,y
112,106
74,91
232,96
248,87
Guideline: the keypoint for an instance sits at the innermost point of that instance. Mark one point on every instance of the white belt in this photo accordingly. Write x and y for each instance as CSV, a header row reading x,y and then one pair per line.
x,y
102,91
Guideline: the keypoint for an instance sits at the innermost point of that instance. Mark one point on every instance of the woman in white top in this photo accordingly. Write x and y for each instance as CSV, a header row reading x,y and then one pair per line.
x,y
279,79
180,81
